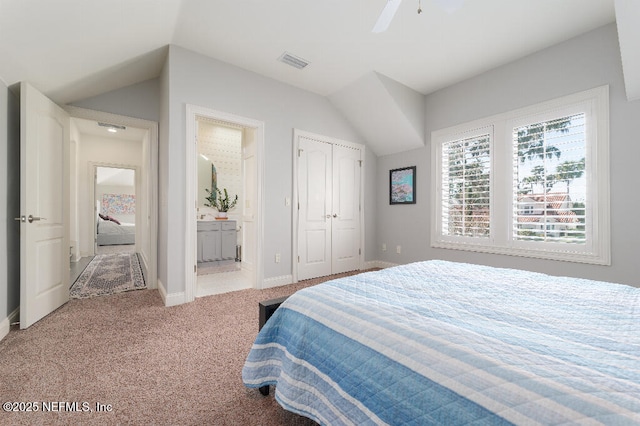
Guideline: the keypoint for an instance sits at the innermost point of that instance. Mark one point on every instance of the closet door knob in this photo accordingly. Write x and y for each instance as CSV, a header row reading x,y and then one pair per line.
x,y
335,215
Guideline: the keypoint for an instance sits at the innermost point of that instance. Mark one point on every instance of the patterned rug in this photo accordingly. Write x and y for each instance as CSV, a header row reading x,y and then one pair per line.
x,y
109,274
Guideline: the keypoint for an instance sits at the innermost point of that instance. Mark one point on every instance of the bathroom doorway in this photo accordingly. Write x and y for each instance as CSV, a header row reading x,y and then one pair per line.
x,y
226,155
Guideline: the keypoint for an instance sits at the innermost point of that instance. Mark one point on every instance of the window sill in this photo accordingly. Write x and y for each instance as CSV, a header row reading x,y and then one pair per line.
x,y
537,253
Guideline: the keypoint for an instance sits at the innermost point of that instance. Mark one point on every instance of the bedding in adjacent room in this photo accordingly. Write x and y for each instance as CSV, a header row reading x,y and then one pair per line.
x,y
115,233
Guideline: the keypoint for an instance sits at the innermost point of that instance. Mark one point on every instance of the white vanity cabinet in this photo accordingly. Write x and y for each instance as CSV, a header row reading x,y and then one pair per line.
x,y
216,241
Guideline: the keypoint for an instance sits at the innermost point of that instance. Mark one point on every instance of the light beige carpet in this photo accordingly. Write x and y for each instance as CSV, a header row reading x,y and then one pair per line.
x,y
154,365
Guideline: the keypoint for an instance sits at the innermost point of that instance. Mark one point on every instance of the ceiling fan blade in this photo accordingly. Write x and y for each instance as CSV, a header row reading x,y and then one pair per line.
x,y
386,16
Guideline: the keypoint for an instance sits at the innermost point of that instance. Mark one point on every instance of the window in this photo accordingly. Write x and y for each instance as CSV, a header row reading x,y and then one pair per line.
x,y
466,172
532,182
549,180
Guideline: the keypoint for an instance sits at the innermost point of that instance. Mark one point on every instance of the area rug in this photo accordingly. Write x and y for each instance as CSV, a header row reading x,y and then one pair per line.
x,y
109,274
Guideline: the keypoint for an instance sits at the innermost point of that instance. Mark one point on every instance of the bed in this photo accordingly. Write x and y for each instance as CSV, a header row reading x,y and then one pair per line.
x,y
111,233
439,342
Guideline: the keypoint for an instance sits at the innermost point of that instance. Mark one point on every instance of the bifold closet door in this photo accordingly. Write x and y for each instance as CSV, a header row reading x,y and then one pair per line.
x,y
329,208
345,217
314,197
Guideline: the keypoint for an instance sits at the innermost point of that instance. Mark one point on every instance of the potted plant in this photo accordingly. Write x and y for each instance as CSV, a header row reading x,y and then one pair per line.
x,y
222,203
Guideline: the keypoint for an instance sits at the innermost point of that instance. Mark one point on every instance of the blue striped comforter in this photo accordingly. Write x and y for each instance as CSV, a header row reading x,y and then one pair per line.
x,y
449,343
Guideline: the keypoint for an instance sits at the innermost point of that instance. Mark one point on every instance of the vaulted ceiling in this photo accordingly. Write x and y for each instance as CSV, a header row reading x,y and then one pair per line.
x,y
75,49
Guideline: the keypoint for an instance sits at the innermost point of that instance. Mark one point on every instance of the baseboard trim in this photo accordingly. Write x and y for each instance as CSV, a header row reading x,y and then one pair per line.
x,y
174,299
379,264
4,328
288,279
170,299
277,281
5,324
162,291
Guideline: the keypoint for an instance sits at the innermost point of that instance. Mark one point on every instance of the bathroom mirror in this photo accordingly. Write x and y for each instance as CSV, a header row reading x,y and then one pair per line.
x,y
207,179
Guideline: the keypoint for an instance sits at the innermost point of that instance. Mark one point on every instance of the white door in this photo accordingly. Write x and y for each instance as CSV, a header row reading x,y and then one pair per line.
x,y
314,215
345,219
329,225
44,206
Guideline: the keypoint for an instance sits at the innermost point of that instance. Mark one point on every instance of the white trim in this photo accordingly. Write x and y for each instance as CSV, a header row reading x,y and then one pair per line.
x,y
277,281
598,250
162,291
190,248
297,133
152,189
170,299
5,324
288,279
190,236
295,211
4,328
379,264
363,163
174,299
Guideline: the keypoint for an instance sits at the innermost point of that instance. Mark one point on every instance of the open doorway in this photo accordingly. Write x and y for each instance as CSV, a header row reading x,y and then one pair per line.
x,y
229,150
115,204
115,268
119,146
220,186
221,222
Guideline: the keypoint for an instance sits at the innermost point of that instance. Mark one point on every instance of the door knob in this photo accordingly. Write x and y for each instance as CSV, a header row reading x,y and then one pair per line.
x,y
30,218
335,215
328,216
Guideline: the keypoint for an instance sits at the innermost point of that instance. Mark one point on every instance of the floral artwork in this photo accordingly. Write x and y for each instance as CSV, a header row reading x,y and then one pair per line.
x,y
402,186
118,204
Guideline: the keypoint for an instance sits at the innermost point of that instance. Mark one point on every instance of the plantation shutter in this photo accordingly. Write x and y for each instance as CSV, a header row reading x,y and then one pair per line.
x,y
466,166
549,185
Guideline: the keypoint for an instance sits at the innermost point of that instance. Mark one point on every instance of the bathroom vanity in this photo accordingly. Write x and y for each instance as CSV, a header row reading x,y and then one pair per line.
x,y
216,241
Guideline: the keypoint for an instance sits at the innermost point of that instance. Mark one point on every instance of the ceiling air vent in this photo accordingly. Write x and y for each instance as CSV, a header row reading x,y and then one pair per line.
x,y
292,60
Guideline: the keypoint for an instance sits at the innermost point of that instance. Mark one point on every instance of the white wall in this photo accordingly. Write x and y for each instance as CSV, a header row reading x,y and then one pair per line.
x,y
194,79
139,100
102,151
585,62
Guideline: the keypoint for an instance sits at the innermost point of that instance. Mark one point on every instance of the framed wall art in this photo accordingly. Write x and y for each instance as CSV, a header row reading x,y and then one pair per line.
x,y
402,185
